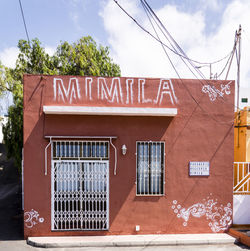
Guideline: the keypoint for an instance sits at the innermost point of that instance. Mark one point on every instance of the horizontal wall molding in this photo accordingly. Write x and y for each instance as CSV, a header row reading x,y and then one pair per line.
x,y
118,111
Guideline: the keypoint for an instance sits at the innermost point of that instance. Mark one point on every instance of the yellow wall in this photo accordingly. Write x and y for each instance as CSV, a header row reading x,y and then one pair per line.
x,y
248,146
242,136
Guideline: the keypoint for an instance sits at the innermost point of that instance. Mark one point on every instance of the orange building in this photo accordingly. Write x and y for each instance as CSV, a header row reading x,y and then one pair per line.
x,y
242,151
242,135
241,215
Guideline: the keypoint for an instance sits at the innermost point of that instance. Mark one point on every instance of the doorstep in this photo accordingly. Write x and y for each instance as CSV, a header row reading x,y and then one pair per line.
x,y
130,240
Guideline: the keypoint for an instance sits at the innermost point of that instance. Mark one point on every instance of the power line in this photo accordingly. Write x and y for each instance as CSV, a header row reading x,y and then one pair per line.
x,y
145,8
26,30
162,45
168,36
238,66
181,55
148,9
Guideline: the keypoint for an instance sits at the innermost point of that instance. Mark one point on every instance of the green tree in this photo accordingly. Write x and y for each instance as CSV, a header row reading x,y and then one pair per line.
x,y
82,58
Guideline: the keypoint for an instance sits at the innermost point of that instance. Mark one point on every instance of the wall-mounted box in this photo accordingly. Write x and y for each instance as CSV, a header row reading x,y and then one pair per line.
x,y
199,168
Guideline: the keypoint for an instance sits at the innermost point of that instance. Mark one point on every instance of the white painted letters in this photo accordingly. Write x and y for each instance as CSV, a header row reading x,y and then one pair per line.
x,y
115,90
129,88
141,92
165,88
88,88
111,90
66,95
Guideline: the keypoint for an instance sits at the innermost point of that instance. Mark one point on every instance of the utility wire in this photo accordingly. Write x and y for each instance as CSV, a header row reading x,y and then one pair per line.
x,y
230,58
182,54
234,51
173,50
224,68
145,30
156,20
26,30
162,44
238,66
190,94
147,8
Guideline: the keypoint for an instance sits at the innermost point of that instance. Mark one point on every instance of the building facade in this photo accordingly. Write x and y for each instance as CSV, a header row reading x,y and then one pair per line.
x,y
241,198
242,135
127,155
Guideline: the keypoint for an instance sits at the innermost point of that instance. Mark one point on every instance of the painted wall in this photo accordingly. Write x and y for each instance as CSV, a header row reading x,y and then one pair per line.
x,y
242,135
241,213
201,131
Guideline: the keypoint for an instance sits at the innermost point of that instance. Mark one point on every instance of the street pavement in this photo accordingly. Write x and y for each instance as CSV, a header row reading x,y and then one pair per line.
x,y
21,245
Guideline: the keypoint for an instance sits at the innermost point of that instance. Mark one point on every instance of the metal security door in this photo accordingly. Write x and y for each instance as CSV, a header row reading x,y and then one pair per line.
x,y
80,185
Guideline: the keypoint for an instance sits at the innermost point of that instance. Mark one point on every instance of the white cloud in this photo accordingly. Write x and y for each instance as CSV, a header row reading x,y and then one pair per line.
x,y
8,56
213,5
139,55
50,50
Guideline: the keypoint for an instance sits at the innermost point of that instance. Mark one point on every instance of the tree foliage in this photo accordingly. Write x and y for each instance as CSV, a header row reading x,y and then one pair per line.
x,y
82,58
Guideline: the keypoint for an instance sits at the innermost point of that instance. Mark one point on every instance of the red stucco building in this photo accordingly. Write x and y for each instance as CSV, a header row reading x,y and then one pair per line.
x,y
127,155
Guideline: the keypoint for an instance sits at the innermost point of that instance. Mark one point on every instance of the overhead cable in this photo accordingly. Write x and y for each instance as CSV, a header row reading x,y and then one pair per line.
x,y
234,51
169,37
148,9
26,30
185,86
154,37
174,50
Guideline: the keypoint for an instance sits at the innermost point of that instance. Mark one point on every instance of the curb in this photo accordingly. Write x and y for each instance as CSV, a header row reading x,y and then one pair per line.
x,y
130,240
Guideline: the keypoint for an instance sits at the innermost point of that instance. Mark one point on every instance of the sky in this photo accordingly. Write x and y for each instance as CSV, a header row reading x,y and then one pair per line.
x,y
204,29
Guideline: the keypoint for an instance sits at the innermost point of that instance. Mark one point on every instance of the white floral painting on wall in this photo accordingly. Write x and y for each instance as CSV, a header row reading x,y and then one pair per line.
x,y
219,216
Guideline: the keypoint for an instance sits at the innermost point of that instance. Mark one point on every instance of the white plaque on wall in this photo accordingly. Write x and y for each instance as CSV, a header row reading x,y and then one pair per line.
x,y
199,168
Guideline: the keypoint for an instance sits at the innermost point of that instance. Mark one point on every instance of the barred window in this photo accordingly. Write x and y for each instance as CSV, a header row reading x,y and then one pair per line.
x,y
64,150
150,168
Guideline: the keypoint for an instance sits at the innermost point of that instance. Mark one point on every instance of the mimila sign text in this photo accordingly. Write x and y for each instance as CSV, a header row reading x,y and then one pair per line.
x,y
112,90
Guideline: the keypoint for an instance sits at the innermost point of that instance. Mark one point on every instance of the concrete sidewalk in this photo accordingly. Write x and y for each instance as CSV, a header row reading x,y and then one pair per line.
x,y
130,240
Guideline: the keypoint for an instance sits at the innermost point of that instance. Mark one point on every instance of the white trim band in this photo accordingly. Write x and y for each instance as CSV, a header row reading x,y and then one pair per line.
x,y
104,110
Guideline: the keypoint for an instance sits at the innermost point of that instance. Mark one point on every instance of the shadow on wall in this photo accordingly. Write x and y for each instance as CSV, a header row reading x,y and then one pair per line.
x,y
11,215
127,129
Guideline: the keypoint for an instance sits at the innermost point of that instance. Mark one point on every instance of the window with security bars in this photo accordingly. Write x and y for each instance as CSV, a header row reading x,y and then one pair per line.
x,y
80,176
80,150
150,168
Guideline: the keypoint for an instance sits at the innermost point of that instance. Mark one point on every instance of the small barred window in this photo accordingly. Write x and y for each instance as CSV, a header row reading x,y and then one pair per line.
x,y
150,168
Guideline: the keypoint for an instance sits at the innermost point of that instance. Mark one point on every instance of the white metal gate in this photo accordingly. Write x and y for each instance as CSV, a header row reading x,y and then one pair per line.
x,y
80,185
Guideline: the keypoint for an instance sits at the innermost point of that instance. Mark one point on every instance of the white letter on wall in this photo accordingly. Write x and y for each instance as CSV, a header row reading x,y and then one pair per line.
x,y
88,88
112,93
130,94
66,95
141,93
165,88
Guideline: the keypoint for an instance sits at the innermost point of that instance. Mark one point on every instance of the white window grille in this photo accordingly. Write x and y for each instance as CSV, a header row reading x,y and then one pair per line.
x,y
80,150
80,185
150,168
